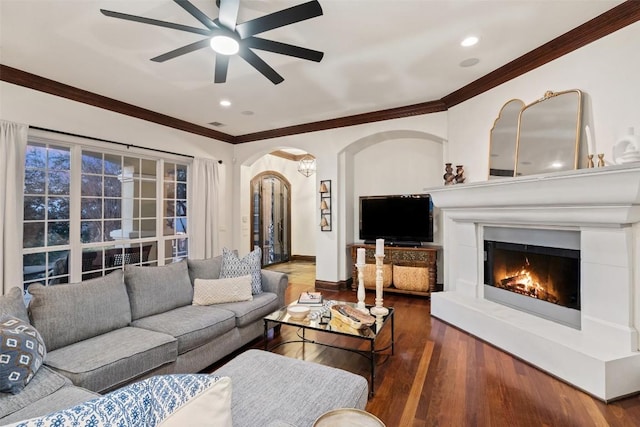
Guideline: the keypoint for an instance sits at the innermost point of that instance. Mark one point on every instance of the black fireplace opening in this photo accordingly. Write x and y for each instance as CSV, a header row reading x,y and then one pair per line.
x,y
540,272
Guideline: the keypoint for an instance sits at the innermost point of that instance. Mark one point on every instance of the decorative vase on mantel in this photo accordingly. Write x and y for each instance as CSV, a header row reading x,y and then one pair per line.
x,y
459,178
449,176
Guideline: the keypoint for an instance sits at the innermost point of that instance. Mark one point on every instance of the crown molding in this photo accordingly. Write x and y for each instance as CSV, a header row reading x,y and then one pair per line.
x,y
358,119
42,84
614,19
602,25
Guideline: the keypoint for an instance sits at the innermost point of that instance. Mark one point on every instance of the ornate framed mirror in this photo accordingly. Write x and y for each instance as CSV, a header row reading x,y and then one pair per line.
x,y
549,134
503,139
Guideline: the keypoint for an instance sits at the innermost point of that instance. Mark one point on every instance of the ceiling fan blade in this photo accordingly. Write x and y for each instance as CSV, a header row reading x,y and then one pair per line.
x,y
181,51
197,13
150,21
278,19
284,49
229,13
222,65
256,62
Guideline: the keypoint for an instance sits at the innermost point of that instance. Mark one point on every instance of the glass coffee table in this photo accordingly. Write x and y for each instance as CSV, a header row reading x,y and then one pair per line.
x,y
320,320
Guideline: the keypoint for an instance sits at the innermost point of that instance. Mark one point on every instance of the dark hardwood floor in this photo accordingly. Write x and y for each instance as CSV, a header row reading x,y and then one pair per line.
x,y
442,376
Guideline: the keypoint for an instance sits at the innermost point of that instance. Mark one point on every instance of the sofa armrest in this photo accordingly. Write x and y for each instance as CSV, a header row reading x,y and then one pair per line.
x,y
276,282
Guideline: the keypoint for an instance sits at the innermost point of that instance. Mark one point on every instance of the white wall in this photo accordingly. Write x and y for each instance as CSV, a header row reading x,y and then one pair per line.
x,y
335,151
408,166
23,105
605,70
303,195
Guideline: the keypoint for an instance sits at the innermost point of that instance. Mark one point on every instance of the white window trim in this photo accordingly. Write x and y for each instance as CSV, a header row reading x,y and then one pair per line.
x,y
76,144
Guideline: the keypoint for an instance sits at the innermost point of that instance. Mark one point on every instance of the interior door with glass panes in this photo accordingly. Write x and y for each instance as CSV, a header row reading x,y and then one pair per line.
x,y
271,217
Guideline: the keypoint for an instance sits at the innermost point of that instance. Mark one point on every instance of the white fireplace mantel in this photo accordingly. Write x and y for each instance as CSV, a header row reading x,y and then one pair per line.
x,y
610,195
603,205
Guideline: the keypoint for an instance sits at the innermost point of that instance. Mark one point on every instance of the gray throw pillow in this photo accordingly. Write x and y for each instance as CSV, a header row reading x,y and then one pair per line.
x,y
23,352
12,304
66,314
154,290
208,268
232,266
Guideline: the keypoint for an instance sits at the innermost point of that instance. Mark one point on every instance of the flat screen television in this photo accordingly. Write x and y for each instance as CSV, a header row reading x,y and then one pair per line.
x,y
403,220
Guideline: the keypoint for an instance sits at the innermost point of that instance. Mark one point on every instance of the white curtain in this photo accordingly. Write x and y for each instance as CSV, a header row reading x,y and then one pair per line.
x,y
13,143
204,212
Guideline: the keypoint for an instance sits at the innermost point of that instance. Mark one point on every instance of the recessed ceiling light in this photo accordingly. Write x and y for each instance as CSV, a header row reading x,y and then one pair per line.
x,y
225,103
469,41
557,165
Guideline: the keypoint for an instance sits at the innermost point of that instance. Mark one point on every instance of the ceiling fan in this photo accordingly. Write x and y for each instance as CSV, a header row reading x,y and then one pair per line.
x,y
227,37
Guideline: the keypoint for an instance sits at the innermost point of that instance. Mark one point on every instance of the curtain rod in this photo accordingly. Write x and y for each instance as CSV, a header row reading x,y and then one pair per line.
x,y
112,142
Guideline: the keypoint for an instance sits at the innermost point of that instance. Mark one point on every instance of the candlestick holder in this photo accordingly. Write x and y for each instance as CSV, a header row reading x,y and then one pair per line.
x,y
379,310
361,293
379,322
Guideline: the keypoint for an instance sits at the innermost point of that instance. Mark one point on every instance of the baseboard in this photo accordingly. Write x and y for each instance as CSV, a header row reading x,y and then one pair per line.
x,y
341,285
309,258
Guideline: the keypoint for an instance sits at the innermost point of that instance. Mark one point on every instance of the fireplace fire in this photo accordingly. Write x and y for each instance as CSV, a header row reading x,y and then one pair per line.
x,y
524,283
539,272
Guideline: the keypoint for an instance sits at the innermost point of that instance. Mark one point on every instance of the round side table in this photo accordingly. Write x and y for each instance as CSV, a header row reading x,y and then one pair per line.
x,y
348,417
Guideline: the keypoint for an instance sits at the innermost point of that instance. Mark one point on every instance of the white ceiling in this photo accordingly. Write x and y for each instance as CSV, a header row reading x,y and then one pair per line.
x,y
379,54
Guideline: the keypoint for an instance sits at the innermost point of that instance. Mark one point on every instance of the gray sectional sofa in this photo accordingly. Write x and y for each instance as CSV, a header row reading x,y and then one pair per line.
x,y
103,333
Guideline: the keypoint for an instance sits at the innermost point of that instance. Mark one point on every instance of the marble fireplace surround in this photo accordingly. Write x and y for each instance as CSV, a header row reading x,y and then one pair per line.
x,y
603,205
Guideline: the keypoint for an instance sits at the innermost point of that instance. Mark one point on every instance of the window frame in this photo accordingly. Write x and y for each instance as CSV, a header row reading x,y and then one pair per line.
x,y
76,146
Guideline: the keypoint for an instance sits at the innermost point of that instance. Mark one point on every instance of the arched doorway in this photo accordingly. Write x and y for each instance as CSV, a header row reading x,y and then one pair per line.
x,y
271,216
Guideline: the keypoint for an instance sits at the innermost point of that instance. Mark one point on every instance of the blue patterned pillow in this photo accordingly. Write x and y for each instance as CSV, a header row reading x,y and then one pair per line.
x,y
232,266
22,353
145,403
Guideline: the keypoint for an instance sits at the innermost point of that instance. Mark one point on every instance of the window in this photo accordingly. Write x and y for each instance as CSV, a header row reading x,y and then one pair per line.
x,y
46,213
175,212
88,212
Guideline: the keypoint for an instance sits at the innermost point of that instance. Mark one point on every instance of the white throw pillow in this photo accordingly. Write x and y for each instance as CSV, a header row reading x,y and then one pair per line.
x,y
212,408
216,291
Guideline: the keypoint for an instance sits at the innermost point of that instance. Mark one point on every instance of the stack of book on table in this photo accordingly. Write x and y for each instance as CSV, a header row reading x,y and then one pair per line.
x,y
311,299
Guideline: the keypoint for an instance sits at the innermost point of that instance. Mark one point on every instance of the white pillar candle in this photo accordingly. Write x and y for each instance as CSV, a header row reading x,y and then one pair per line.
x,y
379,246
360,258
591,149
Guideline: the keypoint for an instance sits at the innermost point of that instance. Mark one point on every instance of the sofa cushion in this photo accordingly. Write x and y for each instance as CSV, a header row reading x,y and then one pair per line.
x,y
45,383
212,407
247,312
252,402
12,304
154,290
191,325
232,266
66,314
109,360
22,352
208,268
216,291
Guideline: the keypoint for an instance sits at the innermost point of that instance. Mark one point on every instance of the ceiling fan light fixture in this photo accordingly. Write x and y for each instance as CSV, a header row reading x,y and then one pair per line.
x,y
224,45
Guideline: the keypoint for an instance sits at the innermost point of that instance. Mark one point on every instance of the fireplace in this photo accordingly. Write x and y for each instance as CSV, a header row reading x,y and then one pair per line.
x,y
534,270
593,211
542,280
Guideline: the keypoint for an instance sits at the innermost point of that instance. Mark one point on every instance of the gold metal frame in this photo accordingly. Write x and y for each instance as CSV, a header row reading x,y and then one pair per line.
x,y
547,96
515,139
